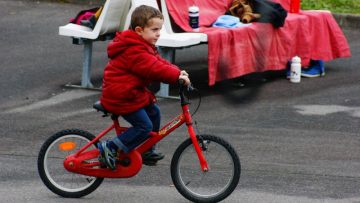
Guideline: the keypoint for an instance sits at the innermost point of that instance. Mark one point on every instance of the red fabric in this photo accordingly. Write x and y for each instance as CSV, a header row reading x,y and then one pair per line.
x,y
260,47
210,10
133,65
327,41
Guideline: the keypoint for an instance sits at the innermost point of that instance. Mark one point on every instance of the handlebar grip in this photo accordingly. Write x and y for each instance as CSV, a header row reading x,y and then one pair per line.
x,y
181,82
189,87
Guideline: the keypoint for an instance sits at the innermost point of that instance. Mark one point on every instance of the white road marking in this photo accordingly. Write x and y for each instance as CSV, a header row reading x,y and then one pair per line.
x,y
60,98
74,113
323,110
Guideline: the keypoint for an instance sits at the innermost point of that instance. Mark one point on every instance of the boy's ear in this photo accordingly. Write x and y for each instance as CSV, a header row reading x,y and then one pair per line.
x,y
138,29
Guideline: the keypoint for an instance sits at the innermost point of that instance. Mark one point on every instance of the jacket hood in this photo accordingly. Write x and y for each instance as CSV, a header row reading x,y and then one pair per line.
x,y
126,39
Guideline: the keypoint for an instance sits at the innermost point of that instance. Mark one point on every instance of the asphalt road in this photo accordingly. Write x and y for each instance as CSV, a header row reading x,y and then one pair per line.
x,y
297,142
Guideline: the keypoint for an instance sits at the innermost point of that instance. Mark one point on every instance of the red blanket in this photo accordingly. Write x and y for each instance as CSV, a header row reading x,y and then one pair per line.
x,y
260,47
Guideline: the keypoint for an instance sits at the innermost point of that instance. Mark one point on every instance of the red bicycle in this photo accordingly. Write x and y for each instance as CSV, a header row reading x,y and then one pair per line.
x,y
204,168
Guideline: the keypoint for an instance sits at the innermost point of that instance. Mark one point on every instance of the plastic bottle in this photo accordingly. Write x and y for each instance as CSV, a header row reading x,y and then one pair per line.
x,y
194,18
294,6
295,76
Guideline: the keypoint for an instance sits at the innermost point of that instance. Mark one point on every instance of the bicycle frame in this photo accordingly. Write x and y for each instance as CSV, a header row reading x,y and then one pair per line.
x,y
79,162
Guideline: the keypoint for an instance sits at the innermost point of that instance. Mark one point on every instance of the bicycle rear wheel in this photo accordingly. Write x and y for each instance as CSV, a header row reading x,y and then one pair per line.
x,y
211,186
51,168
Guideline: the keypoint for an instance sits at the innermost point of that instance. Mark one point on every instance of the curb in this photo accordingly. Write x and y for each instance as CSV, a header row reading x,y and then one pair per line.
x,y
348,21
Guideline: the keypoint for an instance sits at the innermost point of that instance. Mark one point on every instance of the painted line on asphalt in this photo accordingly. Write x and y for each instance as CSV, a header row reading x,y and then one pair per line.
x,y
323,110
73,113
55,100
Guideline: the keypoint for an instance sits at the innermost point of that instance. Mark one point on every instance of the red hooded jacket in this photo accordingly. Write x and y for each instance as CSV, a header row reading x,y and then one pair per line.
x,y
133,65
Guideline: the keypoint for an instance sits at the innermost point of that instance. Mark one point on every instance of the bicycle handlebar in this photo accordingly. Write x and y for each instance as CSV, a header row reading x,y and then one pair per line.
x,y
184,100
182,84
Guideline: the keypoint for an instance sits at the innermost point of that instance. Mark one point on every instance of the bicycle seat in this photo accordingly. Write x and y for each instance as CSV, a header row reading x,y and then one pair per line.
x,y
97,105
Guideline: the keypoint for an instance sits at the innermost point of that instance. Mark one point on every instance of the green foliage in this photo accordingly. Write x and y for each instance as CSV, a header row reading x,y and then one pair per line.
x,y
335,6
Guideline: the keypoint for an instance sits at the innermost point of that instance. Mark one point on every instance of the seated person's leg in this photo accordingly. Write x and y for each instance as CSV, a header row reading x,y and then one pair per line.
x,y
138,133
128,140
151,156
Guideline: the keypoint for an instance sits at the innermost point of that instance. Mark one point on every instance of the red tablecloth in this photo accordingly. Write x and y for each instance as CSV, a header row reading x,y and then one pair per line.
x,y
260,47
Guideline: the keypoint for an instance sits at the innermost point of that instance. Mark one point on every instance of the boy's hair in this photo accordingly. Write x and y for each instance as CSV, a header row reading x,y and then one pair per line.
x,y
142,15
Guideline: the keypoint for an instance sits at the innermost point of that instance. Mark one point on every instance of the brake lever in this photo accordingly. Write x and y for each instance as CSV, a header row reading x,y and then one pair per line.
x,y
190,88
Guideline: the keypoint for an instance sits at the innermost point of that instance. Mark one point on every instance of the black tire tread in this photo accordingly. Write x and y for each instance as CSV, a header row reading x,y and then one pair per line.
x,y
41,169
191,197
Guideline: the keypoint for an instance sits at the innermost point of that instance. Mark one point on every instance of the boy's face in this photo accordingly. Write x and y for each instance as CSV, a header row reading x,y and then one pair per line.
x,y
151,32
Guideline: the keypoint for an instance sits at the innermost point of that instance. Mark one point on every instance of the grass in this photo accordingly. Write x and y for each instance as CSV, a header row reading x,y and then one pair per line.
x,y
335,6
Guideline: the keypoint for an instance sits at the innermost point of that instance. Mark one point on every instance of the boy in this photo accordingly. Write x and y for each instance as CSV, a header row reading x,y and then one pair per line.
x,y
134,64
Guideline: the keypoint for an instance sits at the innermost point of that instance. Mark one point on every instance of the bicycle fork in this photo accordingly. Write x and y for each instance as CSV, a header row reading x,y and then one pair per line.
x,y
188,121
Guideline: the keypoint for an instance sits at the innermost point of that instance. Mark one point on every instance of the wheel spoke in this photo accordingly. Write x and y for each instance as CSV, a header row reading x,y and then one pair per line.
x,y
51,167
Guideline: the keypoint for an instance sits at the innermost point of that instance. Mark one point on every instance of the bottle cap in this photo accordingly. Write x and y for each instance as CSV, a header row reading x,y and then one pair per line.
x,y
193,9
296,59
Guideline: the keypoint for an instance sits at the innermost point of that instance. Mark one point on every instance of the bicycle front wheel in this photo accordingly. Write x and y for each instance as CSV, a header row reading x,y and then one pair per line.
x,y
214,185
51,164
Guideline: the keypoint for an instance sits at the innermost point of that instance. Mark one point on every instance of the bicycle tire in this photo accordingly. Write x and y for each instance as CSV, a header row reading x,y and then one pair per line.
x,y
185,170
51,175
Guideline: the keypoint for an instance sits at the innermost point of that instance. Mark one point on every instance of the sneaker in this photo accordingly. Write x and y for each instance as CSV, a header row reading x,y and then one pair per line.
x,y
107,155
149,162
150,158
316,69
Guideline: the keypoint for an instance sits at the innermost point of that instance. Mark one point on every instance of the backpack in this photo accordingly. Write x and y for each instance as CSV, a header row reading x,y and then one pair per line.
x,y
87,17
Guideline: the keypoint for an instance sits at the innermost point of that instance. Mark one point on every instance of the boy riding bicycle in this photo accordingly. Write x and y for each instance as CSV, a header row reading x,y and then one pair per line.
x,y
135,63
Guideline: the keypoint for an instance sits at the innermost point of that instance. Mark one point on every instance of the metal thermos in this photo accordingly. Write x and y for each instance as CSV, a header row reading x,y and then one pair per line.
x,y
294,6
194,18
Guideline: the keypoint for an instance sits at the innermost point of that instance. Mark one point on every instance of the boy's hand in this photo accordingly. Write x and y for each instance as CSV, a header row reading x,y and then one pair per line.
x,y
184,73
185,78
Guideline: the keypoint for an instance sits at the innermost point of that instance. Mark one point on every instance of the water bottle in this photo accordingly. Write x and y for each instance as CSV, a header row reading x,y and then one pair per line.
x,y
295,69
294,6
194,18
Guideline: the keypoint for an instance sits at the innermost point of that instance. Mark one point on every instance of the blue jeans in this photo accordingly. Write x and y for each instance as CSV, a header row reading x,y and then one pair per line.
x,y
143,121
